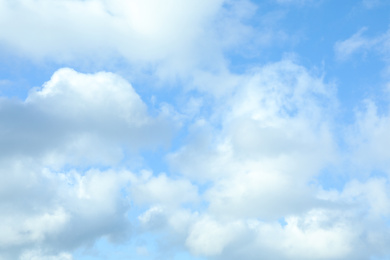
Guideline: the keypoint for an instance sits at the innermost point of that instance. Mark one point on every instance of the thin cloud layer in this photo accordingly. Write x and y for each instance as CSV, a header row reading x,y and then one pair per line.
x,y
358,43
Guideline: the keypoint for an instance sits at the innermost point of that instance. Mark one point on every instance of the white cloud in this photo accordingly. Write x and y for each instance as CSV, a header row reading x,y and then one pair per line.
x,y
275,119
174,40
243,183
348,225
59,212
273,137
363,207
153,218
74,121
72,94
364,44
247,167
259,194
373,195
308,237
38,255
256,160
80,119
368,139
344,49
162,190
165,36
305,236
209,237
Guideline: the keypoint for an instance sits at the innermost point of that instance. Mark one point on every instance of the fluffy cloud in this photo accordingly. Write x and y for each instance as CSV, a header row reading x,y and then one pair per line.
x,y
257,160
245,183
58,212
351,222
143,33
209,237
79,119
247,175
275,137
74,121
162,190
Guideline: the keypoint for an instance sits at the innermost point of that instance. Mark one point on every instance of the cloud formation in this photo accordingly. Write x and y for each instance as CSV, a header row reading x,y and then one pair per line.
x,y
207,142
74,120
359,43
79,119
170,37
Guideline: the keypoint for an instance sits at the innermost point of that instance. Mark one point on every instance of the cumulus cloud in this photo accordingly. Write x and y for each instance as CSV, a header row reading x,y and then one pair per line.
x,y
244,183
79,119
278,112
162,190
208,237
273,139
351,223
164,36
73,121
244,177
59,212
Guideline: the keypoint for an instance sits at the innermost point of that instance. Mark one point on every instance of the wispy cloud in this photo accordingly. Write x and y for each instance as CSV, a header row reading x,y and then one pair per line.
x,y
359,43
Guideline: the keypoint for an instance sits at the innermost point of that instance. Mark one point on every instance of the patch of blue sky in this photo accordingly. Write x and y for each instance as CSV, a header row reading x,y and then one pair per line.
x,y
332,178
20,75
380,257
282,222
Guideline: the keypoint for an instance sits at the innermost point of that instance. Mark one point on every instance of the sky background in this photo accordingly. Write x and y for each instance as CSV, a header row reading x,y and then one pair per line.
x,y
194,130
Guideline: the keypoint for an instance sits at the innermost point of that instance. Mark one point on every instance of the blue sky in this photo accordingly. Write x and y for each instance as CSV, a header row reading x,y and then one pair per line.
x,y
197,129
